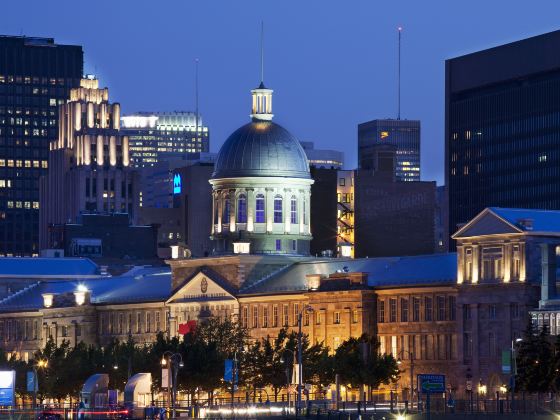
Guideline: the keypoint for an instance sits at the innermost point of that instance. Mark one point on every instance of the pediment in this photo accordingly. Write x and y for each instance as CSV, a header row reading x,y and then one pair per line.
x,y
203,286
486,223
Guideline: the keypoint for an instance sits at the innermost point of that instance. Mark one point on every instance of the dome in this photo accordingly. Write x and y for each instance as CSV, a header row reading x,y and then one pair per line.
x,y
261,148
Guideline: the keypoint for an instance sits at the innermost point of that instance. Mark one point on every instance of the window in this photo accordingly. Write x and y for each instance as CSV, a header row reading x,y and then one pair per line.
x,y
158,323
492,263
467,312
492,311
255,316
259,209
319,318
392,310
245,317
342,182
428,309
285,315
296,313
121,323
294,245
275,316
336,318
440,308
515,310
416,309
242,209
293,210
306,318
138,323
452,308
148,322
278,209
381,311
130,323
404,310
278,244
225,213
265,317
355,317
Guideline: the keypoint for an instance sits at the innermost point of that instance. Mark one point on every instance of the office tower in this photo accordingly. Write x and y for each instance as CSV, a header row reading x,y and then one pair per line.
x,y
165,135
404,134
36,75
322,158
89,164
323,208
502,128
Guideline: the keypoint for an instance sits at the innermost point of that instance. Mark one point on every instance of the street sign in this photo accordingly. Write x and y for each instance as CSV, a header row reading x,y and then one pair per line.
x,y
228,371
506,362
431,384
31,384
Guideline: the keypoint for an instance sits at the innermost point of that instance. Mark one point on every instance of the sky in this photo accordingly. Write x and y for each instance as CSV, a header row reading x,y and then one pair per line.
x,y
332,64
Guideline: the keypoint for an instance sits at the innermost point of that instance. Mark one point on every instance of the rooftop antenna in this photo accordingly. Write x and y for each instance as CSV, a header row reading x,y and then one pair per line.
x,y
196,96
262,52
399,77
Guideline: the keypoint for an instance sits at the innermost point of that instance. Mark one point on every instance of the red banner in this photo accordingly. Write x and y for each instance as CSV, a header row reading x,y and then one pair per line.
x,y
187,327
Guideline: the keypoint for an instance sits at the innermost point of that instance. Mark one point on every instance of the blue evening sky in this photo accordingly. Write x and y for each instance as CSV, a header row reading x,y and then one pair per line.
x,y
332,64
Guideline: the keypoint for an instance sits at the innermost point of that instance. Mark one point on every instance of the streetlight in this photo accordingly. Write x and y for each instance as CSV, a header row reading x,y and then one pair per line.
x,y
307,309
173,361
40,364
399,361
288,373
513,370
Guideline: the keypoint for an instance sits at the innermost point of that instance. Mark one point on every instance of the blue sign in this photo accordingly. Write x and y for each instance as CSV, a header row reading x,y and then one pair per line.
x,y
7,386
31,384
228,371
431,384
176,184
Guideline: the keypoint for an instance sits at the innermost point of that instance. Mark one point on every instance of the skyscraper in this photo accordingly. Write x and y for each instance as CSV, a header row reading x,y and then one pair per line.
x,y
164,136
36,75
404,134
502,128
90,163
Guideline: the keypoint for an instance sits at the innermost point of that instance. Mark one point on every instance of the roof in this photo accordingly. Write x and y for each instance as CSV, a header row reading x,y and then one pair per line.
x,y
141,284
46,267
542,220
387,271
261,149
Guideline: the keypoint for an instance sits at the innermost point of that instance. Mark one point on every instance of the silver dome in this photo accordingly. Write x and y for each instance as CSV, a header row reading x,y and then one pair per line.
x,y
261,148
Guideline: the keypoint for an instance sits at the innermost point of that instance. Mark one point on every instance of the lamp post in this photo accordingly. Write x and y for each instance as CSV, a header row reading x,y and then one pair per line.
x,y
174,361
399,361
307,309
39,364
513,371
288,373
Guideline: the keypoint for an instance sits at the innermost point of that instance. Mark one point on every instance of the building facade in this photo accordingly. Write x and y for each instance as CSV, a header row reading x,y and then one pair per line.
x,y
161,136
403,134
501,128
323,158
90,163
36,76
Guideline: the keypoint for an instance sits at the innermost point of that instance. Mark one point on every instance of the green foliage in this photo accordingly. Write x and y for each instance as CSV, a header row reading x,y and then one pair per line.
x,y
536,359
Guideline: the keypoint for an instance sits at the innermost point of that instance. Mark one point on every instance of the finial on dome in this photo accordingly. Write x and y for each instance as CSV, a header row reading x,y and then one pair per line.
x,y
262,97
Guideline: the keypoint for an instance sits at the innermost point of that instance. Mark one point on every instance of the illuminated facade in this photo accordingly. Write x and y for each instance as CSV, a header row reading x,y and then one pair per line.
x,y
404,134
90,163
161,136
36,75
345,213
261,188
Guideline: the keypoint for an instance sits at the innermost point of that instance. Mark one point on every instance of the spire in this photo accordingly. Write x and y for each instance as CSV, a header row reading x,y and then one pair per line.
x,y
262,97
399,29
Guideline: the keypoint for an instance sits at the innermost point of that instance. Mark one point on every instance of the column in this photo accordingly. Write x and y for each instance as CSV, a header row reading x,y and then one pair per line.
x,y
100,141
219,204
506,261
112,150
301,207
476,271
232,210
286,209
213,227
269,207
460,264
250,209
522,262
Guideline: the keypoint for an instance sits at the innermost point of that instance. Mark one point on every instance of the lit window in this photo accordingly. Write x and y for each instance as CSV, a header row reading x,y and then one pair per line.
x,y
259,209
293,210
242,209
10,204
278,245
278,209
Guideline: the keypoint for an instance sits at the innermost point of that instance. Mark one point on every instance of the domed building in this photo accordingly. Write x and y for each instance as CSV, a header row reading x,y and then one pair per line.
x,y
261,188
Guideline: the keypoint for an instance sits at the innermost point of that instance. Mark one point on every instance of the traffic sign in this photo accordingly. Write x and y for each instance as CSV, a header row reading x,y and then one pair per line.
x,y
431,384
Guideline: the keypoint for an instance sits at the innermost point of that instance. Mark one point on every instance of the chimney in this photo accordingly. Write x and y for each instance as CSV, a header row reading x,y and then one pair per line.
x,y
548,266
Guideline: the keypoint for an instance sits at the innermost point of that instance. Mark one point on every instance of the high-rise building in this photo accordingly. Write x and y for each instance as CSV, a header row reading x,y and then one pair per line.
x,y
404,134
36,75
502,128
165,135
89,164
322,158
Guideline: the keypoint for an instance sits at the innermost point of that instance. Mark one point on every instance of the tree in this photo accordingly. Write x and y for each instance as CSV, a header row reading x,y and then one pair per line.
x,y
535,361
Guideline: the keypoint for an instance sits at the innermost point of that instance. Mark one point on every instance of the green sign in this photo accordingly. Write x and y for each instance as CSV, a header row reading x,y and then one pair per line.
x,y
506,362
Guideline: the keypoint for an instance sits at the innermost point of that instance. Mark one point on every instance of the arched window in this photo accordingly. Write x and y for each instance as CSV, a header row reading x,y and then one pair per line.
x,y
242,209
293,210
259,208
278,209
225,214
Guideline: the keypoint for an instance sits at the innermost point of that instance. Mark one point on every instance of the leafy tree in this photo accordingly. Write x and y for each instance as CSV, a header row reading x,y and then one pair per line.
x,y
535,361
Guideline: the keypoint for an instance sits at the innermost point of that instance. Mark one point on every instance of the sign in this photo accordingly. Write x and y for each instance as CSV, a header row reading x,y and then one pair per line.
x,y
506,362
31,384
165,378
177,184
431,384
469,385
187,327
228,371
7,386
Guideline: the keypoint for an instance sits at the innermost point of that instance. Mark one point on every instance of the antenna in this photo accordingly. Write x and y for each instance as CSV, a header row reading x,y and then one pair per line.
x,y
399,77
262,51
196,96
